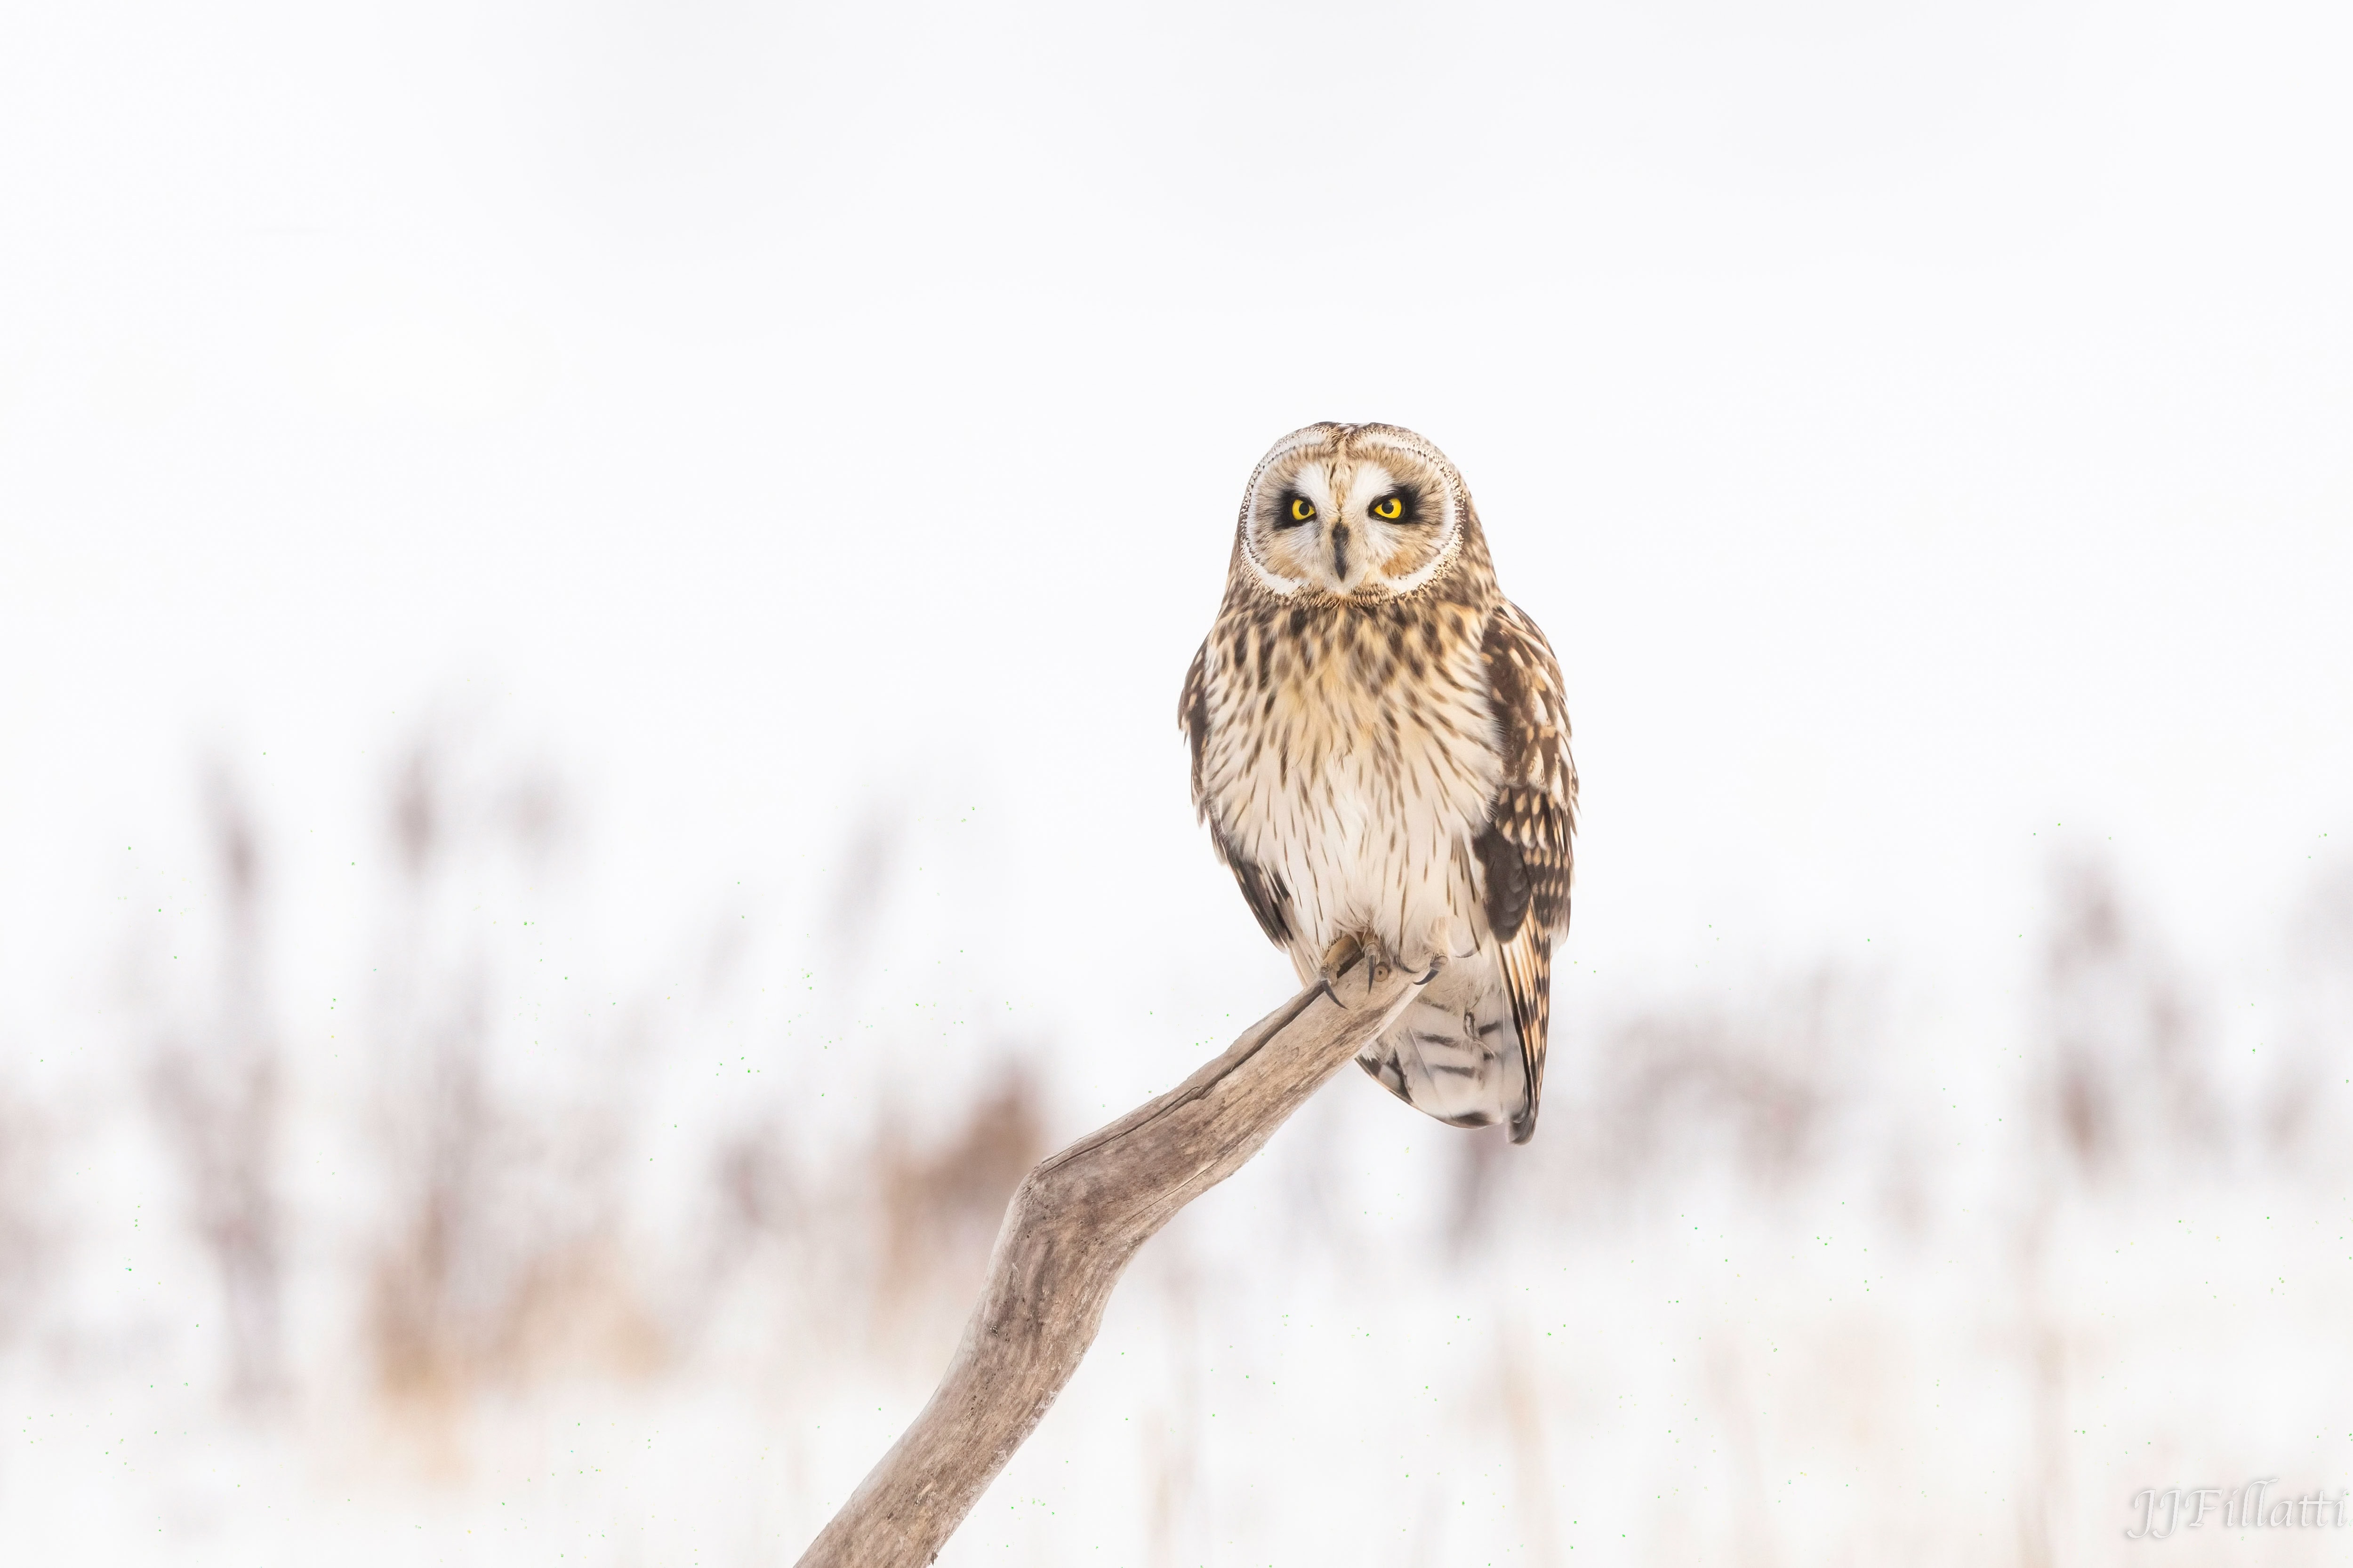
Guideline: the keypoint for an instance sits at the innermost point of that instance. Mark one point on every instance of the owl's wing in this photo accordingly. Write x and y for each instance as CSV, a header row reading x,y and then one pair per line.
x,y
1527,850
1269,899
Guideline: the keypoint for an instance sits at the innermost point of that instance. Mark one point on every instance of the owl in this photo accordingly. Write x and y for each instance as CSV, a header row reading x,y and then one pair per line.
x,y
1380,753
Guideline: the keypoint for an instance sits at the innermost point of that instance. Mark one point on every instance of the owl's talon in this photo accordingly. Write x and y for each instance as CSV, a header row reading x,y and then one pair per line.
x,y
1431,973
1338,958
1343,952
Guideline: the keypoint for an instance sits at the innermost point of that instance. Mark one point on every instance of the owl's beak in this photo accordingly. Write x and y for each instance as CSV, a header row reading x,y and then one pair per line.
x,y
1340,555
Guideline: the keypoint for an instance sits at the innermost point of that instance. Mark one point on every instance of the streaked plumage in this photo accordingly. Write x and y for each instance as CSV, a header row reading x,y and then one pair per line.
x,y
1380,752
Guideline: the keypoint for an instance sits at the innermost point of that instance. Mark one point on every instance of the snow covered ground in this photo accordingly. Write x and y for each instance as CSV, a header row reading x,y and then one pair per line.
x,y
1807,1267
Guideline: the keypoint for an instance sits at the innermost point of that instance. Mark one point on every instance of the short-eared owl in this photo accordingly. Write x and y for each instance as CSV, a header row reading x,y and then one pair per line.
x,y
1381,753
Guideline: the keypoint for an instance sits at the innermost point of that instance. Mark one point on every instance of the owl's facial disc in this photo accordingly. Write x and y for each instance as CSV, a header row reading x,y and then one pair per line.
x,y
1349,519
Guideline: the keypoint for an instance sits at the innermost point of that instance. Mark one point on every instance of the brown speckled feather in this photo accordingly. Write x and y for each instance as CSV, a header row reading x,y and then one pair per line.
x,y
1527,849
1267,897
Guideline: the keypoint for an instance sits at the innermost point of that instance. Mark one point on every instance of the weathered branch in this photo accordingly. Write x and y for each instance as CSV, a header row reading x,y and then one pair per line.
x,y
1068,1235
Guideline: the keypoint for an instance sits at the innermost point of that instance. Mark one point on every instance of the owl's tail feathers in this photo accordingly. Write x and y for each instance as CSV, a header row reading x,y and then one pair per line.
x,y
1524,1120
1454,1053
1527,963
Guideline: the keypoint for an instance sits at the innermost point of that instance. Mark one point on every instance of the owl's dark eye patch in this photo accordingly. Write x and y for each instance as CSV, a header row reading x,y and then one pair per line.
x,y
1399,507
1293,510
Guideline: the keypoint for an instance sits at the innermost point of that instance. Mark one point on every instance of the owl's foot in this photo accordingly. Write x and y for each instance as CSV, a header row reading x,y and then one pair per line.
x,y
1379,965
1337,961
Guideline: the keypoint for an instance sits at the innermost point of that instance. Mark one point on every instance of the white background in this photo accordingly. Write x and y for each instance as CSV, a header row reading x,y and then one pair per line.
x,y
1922,432
1912,430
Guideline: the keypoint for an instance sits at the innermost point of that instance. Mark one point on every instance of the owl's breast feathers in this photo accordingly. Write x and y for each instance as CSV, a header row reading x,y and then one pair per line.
x,y
1344,755
1355,763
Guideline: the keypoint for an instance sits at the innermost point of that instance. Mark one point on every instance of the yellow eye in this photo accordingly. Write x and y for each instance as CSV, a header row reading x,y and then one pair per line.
x,y
1388,508
1302,508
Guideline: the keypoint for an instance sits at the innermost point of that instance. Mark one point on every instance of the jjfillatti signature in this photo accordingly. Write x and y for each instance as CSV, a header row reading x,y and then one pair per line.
x,y
2158,1511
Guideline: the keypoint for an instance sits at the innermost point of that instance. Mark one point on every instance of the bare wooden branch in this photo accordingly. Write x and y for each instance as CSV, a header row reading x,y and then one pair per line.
x,y
1068,1235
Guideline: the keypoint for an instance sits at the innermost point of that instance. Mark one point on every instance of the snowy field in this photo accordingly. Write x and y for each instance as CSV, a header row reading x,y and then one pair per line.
x,y
591,604
488,1261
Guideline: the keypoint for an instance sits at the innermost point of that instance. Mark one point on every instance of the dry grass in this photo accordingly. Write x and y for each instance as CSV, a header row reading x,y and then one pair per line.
x,y
940,1207
2306,1102
2129,1073
508,1249
30,1240
1758,1090
215,1080
500,1259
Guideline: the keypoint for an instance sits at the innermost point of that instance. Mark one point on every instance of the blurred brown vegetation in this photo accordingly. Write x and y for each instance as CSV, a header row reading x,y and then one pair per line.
x,y
2305,1102
2129,1066
508,1243
1760,1086
941,1206
216,1080
499,1257
504,1255
28,1239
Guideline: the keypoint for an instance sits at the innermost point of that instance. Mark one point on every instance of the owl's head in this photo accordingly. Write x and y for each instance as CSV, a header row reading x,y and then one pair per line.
x,y
1353,511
